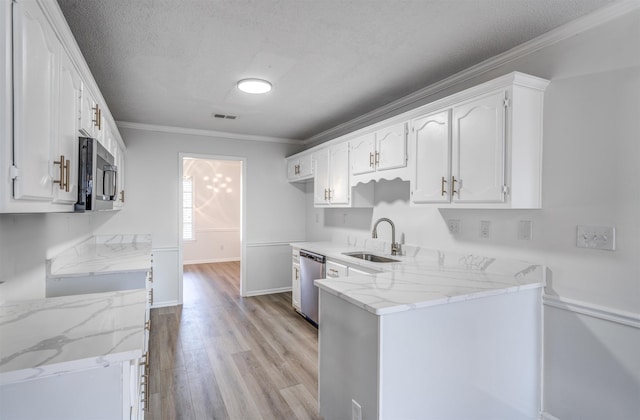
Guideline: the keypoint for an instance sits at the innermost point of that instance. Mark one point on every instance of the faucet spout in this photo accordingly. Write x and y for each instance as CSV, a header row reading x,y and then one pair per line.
x,y
395,247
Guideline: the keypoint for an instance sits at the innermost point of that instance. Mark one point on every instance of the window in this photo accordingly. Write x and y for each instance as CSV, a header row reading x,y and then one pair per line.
x,y
187,208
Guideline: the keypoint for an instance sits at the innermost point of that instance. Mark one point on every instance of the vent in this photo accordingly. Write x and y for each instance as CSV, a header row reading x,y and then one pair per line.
x,y
224,116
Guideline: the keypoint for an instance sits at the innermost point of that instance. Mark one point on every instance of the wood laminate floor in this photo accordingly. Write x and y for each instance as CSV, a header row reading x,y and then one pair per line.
x,y
220,356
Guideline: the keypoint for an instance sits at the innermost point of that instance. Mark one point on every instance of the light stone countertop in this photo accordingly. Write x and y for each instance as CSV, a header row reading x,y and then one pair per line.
x,y
423,278
50,336
103,254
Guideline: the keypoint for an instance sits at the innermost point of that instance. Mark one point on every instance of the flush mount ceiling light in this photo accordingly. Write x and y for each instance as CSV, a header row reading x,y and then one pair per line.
x,y
254,86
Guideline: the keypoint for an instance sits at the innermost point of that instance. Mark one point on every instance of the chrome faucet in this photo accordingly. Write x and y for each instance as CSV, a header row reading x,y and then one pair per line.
x,y
395,247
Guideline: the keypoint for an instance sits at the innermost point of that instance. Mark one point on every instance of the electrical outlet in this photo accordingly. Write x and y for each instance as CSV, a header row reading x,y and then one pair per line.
x,y
485,229
356,411
596,237
524,230
454,226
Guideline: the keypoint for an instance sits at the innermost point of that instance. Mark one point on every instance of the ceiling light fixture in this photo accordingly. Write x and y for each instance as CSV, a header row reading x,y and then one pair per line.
x,y
254,86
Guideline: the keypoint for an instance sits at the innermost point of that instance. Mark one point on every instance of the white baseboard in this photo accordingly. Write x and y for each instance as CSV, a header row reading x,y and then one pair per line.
x,y
267,292
547,416
210,261
165,304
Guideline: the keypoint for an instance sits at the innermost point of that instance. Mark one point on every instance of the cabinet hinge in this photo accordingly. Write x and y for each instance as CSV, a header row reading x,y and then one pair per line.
x,y
13,172
506,102
505,190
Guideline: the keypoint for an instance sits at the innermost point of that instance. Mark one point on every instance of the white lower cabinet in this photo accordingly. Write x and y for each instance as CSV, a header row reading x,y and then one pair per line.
x,y
334,269
99,393
295,279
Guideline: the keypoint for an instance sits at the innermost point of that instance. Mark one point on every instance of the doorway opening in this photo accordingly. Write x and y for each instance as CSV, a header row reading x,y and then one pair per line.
x,y
211,215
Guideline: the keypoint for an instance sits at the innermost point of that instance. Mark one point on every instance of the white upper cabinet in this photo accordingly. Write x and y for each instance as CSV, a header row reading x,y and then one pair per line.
x,y
432,152
381,150
363,150
299,168
46,104
481,148
35,77
478,146
90,114
65,158
331,176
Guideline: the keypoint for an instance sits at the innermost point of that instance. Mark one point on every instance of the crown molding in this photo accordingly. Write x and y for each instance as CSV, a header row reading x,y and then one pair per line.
x,y
204,133
547,39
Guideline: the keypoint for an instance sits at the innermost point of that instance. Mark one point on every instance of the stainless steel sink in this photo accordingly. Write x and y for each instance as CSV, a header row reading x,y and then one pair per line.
x,y
369,257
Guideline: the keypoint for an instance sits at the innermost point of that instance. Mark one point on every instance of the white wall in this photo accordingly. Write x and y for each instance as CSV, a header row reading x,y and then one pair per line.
x,y
591,176
217,199
274,208
27,240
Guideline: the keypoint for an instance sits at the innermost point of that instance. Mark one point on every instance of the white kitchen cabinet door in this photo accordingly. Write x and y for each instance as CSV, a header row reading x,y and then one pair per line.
x,y
478,150
321,177
363,152
299,168
35,78
66,142
339,174
90,118
295,286
335,269
432,149
391,147
331,176
119,159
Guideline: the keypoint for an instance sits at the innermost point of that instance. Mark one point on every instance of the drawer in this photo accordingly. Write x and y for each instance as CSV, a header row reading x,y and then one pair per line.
x,y
334,269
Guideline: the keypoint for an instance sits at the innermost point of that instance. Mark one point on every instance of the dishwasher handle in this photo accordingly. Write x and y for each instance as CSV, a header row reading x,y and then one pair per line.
x,y
313,256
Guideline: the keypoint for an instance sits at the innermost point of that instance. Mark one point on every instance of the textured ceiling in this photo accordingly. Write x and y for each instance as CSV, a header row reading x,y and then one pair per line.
x,y
175,63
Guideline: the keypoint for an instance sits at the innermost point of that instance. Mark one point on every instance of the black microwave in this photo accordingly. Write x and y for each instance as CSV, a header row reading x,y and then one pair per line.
x,y
97,177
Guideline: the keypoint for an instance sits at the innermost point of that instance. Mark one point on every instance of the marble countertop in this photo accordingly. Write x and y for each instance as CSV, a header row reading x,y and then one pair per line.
x,y
49,336
103,254
423,277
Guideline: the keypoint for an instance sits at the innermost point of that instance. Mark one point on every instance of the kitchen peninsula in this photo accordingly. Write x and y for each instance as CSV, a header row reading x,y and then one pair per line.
x,y
452,335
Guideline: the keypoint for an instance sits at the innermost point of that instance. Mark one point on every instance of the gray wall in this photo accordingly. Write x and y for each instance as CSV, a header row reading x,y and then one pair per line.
x,y
591,176
274,208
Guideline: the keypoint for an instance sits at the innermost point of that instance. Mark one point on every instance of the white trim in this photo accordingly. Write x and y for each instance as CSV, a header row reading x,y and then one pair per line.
x,y
268,291
205,133
629,319
243,213
554,36
235,229
547,416
210,261
261,244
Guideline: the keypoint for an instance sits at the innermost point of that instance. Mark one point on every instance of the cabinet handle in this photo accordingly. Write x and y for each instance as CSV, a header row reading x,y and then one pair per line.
x,y
377,158
67,178
329,194
96,116
61,181
99,119
371,161
151,297
333,271
325,195
122,196
442,190
453,186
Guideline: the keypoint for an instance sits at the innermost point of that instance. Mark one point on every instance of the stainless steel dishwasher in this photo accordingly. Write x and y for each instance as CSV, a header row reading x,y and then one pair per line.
x,y
312,267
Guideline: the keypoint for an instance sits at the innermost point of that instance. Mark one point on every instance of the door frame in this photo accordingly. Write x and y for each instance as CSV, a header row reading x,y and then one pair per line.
x,y
243,213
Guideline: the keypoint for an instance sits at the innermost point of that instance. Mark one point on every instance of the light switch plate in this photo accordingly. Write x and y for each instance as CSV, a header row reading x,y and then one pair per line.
x,y
454,226
524,230
485,229
596,237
